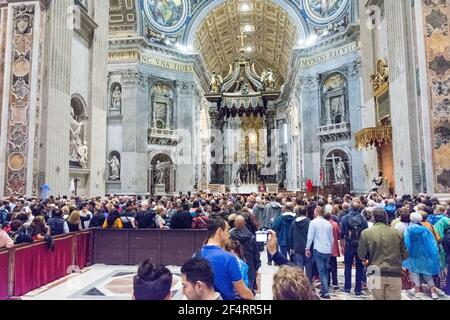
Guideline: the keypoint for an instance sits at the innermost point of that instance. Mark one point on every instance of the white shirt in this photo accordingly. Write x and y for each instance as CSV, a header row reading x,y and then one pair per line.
x,y
321,233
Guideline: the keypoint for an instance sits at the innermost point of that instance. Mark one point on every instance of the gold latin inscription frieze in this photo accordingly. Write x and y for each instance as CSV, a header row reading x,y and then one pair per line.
x,y
151,60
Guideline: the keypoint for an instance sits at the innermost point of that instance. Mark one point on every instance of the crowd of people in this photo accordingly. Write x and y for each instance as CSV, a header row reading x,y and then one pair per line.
x,y
391,242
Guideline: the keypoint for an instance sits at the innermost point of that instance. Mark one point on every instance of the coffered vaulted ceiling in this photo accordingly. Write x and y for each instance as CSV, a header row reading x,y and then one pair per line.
x,y
272,39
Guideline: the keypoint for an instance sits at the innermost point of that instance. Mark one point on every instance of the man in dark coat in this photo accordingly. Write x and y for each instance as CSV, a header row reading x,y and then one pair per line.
x,y
182,219
251,251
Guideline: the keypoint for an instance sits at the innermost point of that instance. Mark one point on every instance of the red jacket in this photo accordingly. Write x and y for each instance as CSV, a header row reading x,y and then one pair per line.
x,y
336,231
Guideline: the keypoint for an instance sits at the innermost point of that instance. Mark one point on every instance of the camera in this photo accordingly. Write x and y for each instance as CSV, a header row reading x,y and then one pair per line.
x,y
262,236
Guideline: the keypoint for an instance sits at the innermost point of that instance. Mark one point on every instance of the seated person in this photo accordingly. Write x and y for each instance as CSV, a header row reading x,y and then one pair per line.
x,y
152,282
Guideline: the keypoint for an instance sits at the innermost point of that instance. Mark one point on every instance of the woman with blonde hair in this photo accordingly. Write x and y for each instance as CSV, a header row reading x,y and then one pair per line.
x,y
290,283
74,221
160,212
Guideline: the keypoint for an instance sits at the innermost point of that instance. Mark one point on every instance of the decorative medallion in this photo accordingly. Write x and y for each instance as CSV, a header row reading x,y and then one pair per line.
x,y
20,89
166,15
16,161
21,67
324,11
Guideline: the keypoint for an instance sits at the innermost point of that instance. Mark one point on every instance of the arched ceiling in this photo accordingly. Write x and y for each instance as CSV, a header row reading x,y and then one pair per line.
x,y
272,38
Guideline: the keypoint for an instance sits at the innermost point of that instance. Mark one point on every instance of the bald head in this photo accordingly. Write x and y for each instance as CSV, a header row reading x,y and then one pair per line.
x,y
239,222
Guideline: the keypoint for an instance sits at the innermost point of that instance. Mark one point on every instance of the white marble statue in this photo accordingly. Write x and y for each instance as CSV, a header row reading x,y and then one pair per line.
x,y
159,171
76,129
82,151
115,168
341,172
117,99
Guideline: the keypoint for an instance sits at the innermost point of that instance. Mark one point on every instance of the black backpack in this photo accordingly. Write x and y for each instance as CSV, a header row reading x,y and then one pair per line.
x,y
356,225
446,243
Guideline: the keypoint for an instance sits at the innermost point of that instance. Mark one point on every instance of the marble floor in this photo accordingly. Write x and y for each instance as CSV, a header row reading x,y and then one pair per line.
x,y
102,282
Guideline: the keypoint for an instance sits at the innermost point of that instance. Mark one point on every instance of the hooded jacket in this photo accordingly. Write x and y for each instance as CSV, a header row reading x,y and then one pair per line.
x,y
298,234
258,211
282,226
423,251
251,250
271,211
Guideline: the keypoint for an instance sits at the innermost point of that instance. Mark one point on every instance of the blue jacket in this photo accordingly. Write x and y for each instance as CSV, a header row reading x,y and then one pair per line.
x,y
423,251
282,226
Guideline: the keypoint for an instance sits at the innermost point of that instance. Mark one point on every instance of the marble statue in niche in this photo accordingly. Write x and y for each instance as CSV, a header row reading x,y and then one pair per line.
x,y
78,146
160,168
341,172
334,92
114,163
162,105
116,104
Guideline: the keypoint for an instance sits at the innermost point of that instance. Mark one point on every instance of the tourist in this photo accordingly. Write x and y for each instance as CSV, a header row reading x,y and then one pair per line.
x,y
183,218
438,215
18,233
74,221
404,222
144,218
85,215
391,210
113,221
98,219
423,258
446,247
236,249
290,283
38,229
383,250
298,235
152,282
321,234
57,224
200,220
251,251
197,279
345,210
227,277
282,225
5,240
160,212
352,225
335,253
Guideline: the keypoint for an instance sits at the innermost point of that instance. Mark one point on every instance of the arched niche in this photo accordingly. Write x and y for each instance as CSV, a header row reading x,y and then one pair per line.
x,y
78,146
114,166
162,105
334,93
115,107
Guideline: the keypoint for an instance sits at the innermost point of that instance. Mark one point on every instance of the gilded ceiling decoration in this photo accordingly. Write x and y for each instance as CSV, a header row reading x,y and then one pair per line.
x,y
269,33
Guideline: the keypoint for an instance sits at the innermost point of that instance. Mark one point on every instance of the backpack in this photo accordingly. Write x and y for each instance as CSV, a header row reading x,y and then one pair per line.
x,y
355,223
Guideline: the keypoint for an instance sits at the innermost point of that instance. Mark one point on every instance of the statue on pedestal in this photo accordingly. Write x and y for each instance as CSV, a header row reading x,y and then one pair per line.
x,y
115,168
341,173
159,172
116,99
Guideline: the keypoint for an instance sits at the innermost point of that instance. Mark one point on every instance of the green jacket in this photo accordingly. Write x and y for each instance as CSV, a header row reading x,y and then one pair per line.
x,y
384,247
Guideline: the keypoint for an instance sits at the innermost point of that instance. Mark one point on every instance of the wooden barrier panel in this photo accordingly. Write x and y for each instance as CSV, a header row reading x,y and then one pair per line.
x,y
132,247
4,263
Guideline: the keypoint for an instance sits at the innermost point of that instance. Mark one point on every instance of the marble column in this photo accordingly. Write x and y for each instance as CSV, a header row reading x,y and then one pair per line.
x,y
186,100
99,100
134,156
355,119
19,139
403,96
310,113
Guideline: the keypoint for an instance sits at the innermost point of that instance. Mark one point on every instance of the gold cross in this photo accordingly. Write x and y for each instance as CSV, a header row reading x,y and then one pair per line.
x,y
242,37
